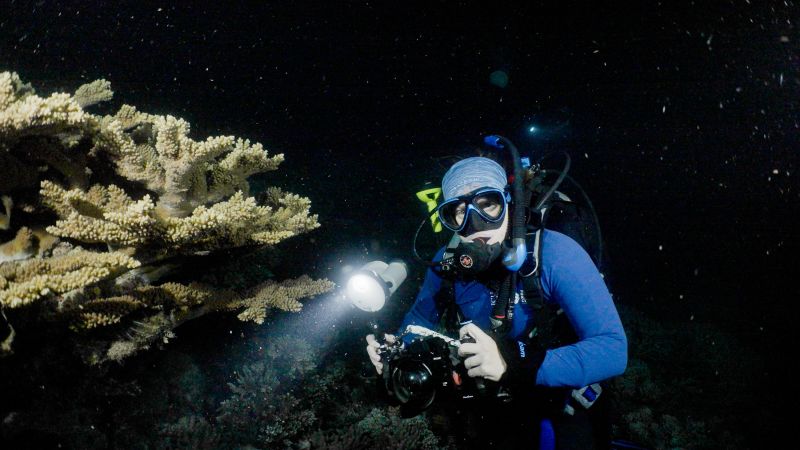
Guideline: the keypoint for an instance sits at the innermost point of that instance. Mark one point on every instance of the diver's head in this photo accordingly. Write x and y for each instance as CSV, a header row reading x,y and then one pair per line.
x,y
475,200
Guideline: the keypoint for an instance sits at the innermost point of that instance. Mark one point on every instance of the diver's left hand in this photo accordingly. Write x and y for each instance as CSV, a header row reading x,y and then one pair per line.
x,y
483,357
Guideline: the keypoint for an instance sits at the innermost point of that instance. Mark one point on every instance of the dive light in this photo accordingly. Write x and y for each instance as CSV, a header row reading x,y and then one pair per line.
x,y
372,285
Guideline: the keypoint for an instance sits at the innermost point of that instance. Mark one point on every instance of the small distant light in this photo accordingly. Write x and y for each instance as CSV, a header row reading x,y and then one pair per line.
x,y
532,130
499,78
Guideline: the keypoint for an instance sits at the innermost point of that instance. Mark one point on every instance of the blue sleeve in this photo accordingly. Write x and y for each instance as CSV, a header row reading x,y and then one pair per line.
x,y
424,311
570,278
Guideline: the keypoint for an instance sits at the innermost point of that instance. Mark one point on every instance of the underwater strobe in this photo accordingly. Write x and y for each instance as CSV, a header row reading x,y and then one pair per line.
x,y
371,286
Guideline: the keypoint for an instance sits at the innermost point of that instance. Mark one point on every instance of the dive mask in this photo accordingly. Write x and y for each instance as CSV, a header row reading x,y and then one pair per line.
x,y
487,204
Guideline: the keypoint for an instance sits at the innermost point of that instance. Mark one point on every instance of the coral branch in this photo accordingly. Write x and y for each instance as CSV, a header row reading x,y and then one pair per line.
x,y
281,295
183,173
108,215
22,282
22,113
92,93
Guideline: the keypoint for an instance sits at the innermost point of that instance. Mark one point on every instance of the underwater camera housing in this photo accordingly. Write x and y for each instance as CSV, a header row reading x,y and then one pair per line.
x,y
427,368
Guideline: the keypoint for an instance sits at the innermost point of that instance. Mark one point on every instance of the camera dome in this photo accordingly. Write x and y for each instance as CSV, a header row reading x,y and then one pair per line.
x,y
414,383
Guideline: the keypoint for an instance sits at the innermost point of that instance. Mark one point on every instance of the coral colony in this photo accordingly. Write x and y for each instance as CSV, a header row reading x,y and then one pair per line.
x,y
104,206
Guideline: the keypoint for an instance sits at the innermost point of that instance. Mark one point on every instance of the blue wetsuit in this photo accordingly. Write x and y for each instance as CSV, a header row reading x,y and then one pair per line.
x,y
570,279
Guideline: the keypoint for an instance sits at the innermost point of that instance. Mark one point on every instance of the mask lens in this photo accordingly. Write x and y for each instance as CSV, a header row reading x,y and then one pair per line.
x,y
490,204
452,214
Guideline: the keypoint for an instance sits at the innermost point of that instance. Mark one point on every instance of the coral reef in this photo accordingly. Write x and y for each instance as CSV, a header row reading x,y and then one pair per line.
x,y
287,399
189,432
106,209
670,363
266,406
380,428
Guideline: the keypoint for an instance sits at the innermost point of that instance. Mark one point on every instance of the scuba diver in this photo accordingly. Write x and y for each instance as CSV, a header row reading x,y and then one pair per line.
x,y
540,323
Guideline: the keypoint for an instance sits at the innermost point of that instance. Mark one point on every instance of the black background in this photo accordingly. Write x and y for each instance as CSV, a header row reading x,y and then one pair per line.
x,y
681,118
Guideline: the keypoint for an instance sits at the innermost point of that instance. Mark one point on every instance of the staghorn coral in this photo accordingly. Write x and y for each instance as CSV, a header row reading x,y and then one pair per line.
x,y
290,214
172,304
106,214
183,173
23,113
141,335
142,197
92,93
104,312
168,305
37,134
188,179
23,282
280,295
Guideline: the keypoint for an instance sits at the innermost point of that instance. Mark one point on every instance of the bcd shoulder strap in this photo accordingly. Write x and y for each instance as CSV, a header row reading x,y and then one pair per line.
x,y
550,328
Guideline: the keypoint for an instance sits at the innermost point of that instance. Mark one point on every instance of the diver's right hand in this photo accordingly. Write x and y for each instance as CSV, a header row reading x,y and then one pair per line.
x,y
372,350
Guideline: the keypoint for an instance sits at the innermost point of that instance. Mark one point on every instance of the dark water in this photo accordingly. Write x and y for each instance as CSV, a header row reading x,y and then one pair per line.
x,y
681,119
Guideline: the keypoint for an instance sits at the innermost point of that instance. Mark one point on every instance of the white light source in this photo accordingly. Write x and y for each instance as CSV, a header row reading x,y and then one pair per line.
x,y
366,292
370,287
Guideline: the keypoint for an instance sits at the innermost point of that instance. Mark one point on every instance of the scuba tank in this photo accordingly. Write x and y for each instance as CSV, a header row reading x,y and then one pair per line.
x,y
556,211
